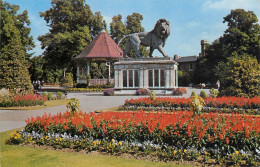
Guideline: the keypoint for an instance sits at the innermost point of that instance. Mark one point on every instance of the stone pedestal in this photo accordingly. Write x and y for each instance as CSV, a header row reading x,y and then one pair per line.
x,y
152,73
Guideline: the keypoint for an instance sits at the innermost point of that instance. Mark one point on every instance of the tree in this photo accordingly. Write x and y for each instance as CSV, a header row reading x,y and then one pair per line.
x,y
21,22
239,76
240,38
36,68
72,27
133,25
242,34
117,29
13,70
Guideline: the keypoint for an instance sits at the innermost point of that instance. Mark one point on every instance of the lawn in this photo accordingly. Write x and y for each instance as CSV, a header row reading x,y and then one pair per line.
x,y
14,156
49,103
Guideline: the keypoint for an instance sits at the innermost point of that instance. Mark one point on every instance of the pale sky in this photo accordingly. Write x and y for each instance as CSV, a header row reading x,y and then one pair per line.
x,y
190,20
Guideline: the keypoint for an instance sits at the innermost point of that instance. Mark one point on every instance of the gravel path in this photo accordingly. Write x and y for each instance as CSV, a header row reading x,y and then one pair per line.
x,y
13,119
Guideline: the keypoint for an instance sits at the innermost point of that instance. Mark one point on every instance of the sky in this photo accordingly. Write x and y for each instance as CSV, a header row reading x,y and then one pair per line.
x,y
190,20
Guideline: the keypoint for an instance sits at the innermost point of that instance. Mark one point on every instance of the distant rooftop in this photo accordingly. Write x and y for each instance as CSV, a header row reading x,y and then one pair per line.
x,y
186,59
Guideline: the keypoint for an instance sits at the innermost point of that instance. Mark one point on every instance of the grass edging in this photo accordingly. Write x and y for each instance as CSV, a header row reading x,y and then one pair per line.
x,y
17,155
49,103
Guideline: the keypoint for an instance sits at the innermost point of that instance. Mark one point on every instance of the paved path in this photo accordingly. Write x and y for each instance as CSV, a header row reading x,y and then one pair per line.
x,y
12,119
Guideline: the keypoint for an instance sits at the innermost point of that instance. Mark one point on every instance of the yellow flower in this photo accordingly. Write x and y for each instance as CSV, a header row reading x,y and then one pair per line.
x,y
184,150
31,138
57,139
237,152
60,139
15,137
113,141
120,143
174,152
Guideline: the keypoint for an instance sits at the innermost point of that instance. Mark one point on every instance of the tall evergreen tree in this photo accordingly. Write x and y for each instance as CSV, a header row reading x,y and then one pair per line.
x,y
13,70
21,22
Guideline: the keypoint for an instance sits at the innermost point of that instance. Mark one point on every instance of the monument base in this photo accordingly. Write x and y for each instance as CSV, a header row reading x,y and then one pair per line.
x,y
151,73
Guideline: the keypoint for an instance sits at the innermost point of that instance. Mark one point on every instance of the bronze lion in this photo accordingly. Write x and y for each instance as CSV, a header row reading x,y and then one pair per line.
x,y
155,39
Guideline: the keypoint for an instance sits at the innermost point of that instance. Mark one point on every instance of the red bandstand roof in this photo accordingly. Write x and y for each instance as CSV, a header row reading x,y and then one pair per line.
x,y
103,46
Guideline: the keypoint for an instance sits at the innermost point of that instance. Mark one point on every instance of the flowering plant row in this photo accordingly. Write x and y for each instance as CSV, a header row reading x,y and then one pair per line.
x,y
181,129
85,89
23,100
171,103
179,91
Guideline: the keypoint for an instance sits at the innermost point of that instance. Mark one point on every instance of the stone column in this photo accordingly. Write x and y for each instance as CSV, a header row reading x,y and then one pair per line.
x,y
167,77
116,78
120,78
141,78
145,77
172,77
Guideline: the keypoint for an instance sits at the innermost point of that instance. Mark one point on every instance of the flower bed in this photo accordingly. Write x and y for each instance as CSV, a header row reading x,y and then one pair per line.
x,y
222,104
170,135
23,100
179,91
85,89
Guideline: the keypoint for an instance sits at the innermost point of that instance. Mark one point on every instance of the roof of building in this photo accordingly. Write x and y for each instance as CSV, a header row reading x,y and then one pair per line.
x,y
103,46
186,59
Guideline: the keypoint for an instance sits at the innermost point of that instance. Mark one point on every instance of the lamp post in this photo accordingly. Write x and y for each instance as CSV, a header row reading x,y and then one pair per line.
x,y
108,64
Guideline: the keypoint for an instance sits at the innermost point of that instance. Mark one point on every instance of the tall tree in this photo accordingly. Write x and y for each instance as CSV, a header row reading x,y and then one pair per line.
x,y
242,37
239,76
13,70
21,22
117,28
134,25
243,33
72,27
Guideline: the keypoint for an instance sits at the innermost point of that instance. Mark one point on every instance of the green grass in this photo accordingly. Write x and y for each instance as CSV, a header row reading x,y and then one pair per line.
x,y
49,103
21,156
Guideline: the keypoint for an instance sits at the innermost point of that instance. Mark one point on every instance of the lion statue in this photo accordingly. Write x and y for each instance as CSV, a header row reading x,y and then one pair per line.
x,y
155,39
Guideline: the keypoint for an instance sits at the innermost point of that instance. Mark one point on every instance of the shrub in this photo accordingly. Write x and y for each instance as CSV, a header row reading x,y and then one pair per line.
x,y
59,95
45,94
67,80
142,91
213,92
196,104
73,106
203,94
193,94
179,91
109,92
152,95
49,96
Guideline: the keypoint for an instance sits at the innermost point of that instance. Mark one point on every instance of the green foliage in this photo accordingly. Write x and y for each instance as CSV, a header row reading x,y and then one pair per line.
x,y
36,68
72,27
134,25
13,70
242,35
152,95
59,95
239,76
73,106
193,94
203,94
45,94
49,96
240,38
184,78
213,92
53,76
67,80
196,104
117,29
18,22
